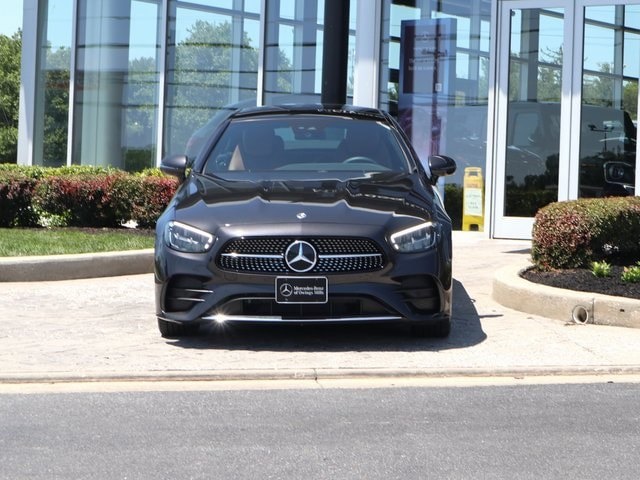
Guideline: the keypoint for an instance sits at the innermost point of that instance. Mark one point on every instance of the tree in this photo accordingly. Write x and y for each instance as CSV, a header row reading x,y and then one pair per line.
x,y
10,54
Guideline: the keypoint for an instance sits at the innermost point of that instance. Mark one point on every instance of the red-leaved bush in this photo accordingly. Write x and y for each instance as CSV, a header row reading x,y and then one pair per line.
x,y
574,234
143,198
16,192
81,196
82,200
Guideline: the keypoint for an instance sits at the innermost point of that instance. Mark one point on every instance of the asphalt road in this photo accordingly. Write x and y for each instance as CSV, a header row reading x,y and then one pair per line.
x,y
586,431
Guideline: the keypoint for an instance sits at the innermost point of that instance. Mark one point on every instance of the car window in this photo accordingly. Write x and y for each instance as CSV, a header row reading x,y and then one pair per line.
x,y
306,143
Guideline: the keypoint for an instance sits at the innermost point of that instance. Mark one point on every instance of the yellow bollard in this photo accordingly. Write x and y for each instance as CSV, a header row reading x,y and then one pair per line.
x,y
473,200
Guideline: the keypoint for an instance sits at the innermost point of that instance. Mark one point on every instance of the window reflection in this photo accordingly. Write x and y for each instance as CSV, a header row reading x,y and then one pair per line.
x,y
465,110
533,123
140,103
212,64
609,102
116,84
293,50
52,100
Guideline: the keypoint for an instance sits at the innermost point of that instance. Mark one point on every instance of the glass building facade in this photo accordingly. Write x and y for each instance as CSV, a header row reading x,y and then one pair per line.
x,y
536,99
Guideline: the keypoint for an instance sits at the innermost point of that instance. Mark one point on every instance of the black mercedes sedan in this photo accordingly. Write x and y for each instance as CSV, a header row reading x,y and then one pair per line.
x,y
305,214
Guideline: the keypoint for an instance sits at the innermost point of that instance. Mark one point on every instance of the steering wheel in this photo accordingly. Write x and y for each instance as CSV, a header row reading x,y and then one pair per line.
x,y
360,159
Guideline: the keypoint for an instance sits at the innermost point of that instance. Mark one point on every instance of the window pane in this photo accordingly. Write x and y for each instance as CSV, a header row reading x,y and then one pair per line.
x,y
533,125
52,102
601,13
599,48
294,49
116,84
631,56
609,106
454,121
632,16
139,131
211,66
252,6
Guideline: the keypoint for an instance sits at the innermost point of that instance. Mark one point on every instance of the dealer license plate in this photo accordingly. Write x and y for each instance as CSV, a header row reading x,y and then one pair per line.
x,y
301,290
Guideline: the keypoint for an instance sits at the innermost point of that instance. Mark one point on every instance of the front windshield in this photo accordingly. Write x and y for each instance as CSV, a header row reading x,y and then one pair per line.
x,y
284,144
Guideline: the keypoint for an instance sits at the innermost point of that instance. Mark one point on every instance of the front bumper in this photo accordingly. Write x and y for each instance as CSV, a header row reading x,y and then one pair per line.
x,y
410,288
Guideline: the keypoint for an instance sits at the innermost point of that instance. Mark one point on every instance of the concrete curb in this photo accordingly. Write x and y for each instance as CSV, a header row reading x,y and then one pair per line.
x,y
319,374
70,267
513,291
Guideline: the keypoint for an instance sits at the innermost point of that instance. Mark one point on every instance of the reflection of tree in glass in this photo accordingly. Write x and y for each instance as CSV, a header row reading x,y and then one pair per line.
x,y
599,89
10,49
141,101
205,63
56,106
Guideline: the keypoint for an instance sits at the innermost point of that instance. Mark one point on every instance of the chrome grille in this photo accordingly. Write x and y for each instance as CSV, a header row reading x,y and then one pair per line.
x,y
335,255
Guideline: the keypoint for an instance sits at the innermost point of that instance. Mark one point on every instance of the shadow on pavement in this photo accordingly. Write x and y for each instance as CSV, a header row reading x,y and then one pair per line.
x,y
466,332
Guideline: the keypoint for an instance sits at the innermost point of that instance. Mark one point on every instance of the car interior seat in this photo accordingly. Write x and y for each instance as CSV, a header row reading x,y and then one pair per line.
x,y
259,149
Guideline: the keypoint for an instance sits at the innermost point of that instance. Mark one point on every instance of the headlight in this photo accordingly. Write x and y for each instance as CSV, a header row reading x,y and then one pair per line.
x,y
415,239
187,239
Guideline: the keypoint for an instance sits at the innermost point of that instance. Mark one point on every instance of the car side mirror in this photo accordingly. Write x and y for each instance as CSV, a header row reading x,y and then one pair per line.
x,y
175,165
441,166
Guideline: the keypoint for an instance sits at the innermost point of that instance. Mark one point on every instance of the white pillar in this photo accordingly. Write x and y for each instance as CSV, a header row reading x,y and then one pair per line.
x,y
26,121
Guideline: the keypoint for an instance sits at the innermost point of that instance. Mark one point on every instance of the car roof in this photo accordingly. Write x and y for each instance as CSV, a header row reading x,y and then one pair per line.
x,y
311,109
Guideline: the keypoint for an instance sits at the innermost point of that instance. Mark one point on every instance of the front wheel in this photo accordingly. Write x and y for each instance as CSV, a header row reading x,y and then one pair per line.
x,y
440,329
176,330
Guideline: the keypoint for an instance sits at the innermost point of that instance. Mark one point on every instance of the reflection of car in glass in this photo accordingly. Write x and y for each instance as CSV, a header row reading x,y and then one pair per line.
x,y
305,214
607,148
607,152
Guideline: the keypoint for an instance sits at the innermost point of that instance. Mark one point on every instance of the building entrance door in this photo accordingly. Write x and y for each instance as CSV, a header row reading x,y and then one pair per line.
x,y
532,108
566,103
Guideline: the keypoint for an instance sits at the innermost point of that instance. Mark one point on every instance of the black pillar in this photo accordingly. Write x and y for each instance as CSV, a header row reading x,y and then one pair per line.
x,y
335,52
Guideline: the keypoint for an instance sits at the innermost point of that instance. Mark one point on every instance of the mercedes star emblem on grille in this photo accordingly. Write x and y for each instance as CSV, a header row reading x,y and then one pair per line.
x,y
300,256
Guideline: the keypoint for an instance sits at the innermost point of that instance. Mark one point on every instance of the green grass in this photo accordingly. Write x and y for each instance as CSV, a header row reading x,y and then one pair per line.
x,y
21,242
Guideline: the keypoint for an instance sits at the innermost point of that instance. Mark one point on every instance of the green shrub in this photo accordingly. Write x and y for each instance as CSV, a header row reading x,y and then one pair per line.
x,y
601,269
453,204
574,234
631,274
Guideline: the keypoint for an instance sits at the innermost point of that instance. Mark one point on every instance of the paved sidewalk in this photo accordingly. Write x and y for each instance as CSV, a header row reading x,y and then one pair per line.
x,y
104,328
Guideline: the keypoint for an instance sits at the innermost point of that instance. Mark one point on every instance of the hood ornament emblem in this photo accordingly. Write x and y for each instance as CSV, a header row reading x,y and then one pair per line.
x,y
301,216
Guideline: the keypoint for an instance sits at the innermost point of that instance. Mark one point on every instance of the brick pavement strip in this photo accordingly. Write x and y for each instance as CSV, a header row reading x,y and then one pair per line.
x,y
104,328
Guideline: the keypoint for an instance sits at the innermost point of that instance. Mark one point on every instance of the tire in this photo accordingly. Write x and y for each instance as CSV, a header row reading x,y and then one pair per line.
x,y
440,329
176,330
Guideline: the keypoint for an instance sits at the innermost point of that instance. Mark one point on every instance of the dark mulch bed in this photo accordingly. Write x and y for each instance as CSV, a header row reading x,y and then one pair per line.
x,y
584,280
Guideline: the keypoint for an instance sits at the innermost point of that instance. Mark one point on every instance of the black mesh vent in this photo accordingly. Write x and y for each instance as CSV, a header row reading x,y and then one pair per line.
x,y
184,292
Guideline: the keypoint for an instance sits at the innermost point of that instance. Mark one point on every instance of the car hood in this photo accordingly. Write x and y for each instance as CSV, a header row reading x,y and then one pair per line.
x,y
204,201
